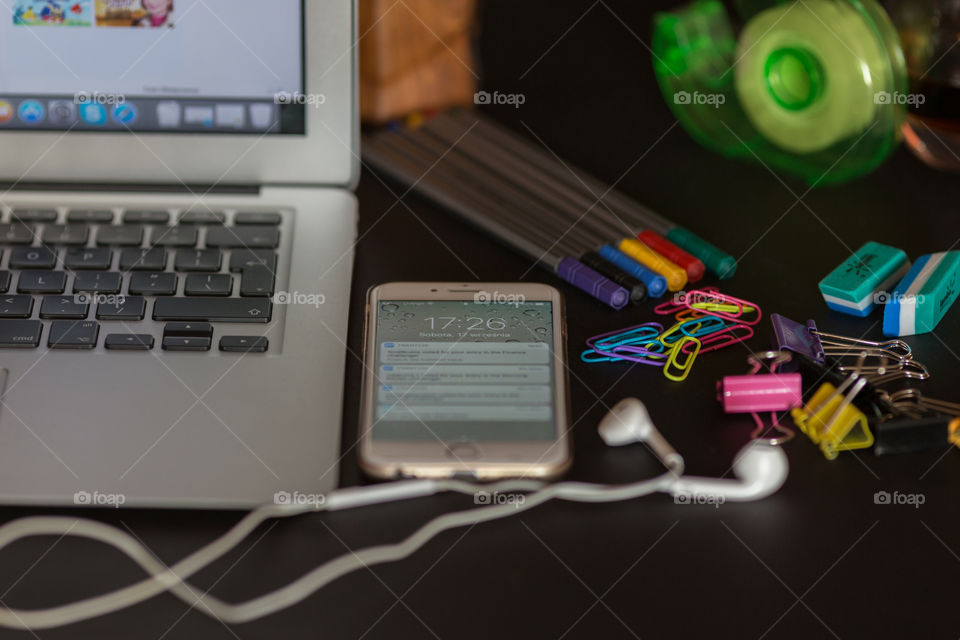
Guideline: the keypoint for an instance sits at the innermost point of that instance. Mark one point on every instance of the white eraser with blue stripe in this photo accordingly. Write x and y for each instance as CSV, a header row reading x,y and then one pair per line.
x,y
924,295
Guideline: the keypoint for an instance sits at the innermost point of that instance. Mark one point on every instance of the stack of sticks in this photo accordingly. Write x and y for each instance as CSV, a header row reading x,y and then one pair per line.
x,y
590,235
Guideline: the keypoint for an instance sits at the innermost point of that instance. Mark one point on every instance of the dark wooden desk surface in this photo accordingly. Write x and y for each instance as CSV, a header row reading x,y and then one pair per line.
x,y
817,560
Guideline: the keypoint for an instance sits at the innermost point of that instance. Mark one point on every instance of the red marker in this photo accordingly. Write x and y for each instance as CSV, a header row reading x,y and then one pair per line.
x,y
693,266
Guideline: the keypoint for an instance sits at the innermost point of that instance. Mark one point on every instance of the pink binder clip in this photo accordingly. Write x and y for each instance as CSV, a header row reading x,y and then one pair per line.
x,y
757,391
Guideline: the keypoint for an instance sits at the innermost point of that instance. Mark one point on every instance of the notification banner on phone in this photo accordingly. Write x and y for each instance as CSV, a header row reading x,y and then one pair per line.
x,y
396,374
447,394
438,353
460,413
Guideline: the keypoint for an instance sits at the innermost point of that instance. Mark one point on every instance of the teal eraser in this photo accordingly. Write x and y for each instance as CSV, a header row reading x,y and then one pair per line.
x,y
924,295
864,279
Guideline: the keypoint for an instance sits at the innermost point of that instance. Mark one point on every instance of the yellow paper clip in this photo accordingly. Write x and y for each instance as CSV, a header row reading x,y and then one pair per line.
x,y
831,421
676,371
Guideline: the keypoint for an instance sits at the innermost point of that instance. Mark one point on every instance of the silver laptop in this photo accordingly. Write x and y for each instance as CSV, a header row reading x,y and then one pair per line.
x,y
176,233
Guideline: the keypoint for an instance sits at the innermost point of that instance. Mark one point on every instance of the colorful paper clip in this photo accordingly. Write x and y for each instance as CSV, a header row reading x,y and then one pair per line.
x,y
678,372
724,306
832,421
675,349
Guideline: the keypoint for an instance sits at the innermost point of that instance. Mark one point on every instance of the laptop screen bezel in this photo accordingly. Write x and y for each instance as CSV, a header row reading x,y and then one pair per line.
x,y
327,154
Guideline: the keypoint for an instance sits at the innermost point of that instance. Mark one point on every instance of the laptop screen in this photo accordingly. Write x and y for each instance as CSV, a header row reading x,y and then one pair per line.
x,y
198,66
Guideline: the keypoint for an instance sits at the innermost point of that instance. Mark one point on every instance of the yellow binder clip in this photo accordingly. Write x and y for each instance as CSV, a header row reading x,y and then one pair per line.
x,y
831,421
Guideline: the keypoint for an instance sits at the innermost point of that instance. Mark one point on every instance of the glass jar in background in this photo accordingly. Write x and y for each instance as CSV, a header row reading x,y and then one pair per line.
x,y
930,36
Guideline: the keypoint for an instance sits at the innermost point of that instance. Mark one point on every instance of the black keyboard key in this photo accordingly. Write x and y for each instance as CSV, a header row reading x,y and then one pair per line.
x,y
257,281
197,260
34,215
70,334
146,217
257,217
213,309
97,282
32,258
33,281
16,233
14,306
185,236
20,334
202,216
75,307
174,343
252,237
5,281
120,235
143,260
208,284
129,341
72,234
187,329
101,216
122,308
98,258
243,259
153,284
244,344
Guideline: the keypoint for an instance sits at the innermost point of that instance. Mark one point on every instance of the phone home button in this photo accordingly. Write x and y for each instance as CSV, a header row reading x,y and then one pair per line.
x,y
461,450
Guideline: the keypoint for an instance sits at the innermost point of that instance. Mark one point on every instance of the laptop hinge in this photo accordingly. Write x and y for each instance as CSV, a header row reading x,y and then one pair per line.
x,y
193,189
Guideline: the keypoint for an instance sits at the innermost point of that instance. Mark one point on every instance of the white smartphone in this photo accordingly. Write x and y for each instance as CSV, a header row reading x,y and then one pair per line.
x,y
464,379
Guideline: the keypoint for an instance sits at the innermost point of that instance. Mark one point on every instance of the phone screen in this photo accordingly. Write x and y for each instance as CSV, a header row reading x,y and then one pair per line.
x,y
464,370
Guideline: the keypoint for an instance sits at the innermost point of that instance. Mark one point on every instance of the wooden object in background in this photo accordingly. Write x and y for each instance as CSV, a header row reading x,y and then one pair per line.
x,y
415,55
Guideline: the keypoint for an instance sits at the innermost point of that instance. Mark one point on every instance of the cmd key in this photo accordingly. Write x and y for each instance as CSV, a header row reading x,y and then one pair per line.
x,y
21,334
213,309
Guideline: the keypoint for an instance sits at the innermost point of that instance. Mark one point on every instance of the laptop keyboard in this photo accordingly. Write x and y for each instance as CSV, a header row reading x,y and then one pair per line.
x,y
136,280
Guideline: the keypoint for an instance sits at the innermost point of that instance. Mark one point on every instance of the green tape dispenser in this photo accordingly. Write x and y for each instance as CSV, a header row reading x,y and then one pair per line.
x,y
812,88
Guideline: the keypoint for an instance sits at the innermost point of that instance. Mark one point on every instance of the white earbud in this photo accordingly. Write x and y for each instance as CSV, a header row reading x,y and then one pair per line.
x,y
761,469
628,422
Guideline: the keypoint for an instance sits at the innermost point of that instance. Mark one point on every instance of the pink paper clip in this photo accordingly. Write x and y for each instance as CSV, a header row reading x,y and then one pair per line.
x,y
676,303
700,298
724,338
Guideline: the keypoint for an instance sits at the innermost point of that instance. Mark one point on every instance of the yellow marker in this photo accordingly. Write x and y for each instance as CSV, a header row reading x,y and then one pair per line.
x,y
676,276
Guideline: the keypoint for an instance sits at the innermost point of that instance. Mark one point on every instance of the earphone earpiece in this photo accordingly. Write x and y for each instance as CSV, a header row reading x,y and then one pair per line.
x,y
761,469
628,422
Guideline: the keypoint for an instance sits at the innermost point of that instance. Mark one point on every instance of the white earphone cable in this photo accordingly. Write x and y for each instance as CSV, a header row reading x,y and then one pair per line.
x,y
174,578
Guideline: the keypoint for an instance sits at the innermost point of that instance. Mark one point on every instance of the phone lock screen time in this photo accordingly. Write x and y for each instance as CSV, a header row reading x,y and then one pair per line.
x,y
464,370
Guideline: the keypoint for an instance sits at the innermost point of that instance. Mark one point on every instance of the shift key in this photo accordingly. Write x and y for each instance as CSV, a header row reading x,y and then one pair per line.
x,y
213,309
